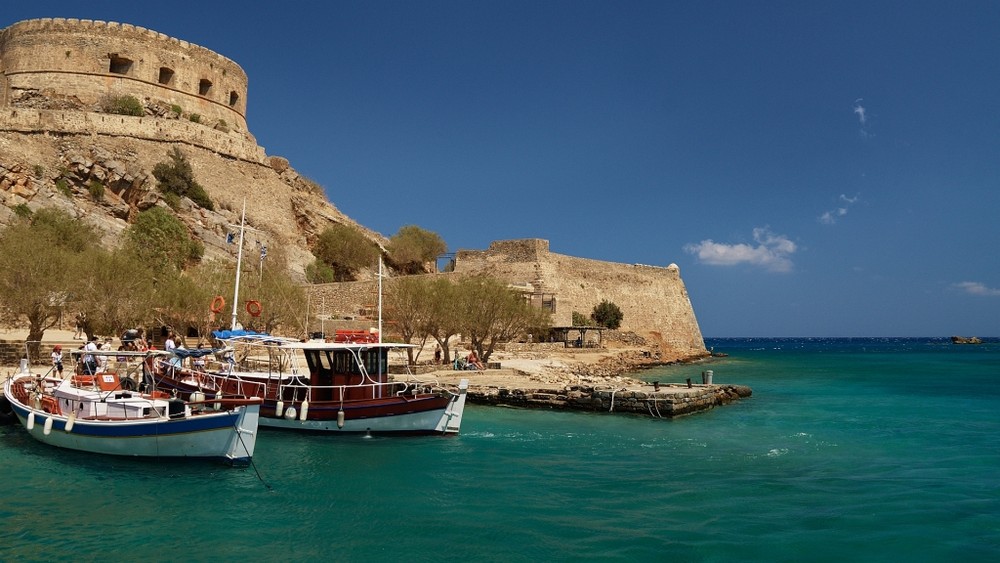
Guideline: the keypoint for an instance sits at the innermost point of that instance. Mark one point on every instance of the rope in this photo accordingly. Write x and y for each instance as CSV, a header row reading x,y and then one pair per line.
x,y
252,464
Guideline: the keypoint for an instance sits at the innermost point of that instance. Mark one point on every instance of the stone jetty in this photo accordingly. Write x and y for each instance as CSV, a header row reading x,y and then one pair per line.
x,y
666,401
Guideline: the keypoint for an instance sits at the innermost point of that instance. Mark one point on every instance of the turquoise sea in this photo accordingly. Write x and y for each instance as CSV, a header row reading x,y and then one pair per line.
x,y
849,450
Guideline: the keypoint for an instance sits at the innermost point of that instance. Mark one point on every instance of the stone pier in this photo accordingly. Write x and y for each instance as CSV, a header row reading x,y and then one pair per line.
x,y
669,401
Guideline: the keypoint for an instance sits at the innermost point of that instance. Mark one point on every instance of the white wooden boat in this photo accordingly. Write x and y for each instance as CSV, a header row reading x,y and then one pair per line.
x,y
99,416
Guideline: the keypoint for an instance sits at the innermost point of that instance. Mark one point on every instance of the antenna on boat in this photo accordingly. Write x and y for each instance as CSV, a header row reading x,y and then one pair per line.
x,y
239,264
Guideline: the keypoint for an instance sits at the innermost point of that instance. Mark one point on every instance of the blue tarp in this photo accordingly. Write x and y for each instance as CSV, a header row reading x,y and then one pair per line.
x,y
227,334
193,352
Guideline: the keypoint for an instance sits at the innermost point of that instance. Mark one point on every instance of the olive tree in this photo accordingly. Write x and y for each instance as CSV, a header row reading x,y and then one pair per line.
x,y
412,247
116,291
345,249
41,262
492,313
407,304
159,239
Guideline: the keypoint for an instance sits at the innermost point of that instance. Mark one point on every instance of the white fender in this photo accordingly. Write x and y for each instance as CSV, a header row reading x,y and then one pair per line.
x,y
279,409
290,413
47,429
31,421
70,421
305,410
340,419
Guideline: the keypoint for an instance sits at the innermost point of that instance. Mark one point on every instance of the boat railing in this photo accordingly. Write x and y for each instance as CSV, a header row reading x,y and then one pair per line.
x,y
339,393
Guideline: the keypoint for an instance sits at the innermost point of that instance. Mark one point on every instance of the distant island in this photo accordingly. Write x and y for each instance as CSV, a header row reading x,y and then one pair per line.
x,y
966,340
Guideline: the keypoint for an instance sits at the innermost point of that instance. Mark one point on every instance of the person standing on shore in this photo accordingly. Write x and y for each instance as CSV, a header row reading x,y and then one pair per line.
x,y
81,319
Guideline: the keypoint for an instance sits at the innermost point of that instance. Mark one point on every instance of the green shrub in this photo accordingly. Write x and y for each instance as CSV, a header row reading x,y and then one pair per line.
x,y
176,109
63,186
318,272
22,210
122,105
222,126
96,189
177,177
39,171
172,200
196,118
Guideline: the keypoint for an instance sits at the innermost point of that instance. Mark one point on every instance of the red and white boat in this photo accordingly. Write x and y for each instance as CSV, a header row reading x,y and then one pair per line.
x,y
336,386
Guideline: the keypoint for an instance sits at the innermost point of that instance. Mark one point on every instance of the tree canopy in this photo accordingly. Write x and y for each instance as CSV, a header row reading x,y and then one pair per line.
x,y
483,309
607,314
412,247
160,240
345,250
42,261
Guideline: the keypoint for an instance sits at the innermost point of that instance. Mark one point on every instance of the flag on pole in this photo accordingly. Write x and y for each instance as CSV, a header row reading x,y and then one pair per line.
x,y
229,238
263,252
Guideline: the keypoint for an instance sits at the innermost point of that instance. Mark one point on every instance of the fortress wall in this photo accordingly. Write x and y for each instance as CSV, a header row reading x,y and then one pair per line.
x,y
652,299
341,299
232,144
87,59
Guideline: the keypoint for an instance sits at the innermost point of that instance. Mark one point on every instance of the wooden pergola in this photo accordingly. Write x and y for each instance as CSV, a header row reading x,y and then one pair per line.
x,y
565,334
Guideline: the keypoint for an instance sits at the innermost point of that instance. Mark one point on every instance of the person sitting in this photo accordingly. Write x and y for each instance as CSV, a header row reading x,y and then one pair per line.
x,y
472,362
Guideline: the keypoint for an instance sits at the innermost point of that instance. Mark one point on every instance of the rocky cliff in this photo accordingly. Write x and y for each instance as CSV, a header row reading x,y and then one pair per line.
x,y
43,168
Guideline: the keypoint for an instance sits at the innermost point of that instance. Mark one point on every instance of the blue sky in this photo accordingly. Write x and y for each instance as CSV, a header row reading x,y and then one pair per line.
x,y
815,169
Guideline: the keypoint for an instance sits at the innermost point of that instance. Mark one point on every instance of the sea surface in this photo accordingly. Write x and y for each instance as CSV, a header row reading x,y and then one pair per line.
x,y
849,450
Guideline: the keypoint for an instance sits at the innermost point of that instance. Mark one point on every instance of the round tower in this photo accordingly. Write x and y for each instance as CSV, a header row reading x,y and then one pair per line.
x,y
57,63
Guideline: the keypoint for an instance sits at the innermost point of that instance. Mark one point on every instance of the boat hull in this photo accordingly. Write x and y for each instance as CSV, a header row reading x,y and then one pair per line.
x,y
419,414
414,418
228,436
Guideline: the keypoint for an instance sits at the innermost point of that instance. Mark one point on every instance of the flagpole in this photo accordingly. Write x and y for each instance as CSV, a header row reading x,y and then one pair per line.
x,y
239,263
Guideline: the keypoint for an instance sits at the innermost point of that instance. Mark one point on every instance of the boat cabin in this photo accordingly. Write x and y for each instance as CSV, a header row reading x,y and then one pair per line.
x,y
119,404
351,367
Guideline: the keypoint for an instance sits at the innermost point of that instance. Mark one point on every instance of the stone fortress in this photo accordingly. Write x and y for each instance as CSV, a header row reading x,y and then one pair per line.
x,y
653,300
57,71
54,74
56,139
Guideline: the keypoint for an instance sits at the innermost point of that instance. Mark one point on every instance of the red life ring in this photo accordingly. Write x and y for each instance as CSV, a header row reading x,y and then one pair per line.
x,y
254,308
217,304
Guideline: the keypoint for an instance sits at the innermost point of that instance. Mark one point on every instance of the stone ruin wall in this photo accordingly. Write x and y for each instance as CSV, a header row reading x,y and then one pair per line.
x,y
653,299
72,64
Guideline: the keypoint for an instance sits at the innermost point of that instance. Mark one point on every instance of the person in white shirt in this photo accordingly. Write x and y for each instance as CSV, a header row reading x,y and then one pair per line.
x,y
57,359
89,363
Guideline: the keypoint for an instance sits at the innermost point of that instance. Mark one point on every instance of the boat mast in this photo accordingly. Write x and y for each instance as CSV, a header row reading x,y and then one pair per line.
x,y
239,264
380,300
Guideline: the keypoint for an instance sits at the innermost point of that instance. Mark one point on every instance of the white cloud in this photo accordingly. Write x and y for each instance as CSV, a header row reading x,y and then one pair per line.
x,y
831,217
862,114
860,110
976,288
771,251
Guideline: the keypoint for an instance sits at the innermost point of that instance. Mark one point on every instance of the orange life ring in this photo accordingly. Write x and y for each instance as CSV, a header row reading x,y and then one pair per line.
x,y
254,308
217,304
